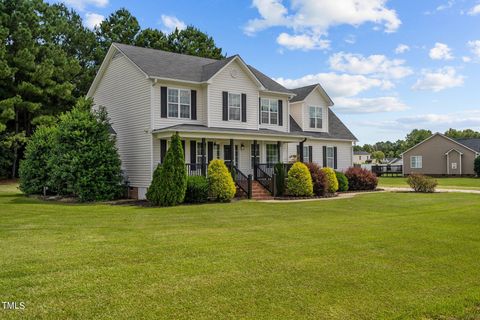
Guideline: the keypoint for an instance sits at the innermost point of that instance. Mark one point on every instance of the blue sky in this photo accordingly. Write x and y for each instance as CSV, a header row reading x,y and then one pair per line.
x,y
389,66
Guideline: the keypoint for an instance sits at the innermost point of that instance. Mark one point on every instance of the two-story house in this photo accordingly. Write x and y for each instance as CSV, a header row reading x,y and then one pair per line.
x,y
223,109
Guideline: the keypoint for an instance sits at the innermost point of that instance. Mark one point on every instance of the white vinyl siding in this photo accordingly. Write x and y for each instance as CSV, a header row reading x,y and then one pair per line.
x,y
344,152
416,162
126,94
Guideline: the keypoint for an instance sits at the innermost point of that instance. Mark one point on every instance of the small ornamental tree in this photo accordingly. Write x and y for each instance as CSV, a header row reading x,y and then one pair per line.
x,y
169,182
476,166
84,161
34,170
331,179
319,179
342,181
222,187
279,170
299,182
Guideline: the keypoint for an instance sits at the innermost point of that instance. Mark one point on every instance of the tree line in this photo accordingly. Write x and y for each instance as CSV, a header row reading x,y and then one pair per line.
x,y
393,149
48,60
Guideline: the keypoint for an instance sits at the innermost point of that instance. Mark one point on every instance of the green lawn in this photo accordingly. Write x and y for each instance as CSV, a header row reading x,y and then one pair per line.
x,y
445,183
382,255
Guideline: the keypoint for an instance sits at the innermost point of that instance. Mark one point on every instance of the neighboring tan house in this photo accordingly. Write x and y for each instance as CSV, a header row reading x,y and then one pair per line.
x,y
360,157
222,109
439,155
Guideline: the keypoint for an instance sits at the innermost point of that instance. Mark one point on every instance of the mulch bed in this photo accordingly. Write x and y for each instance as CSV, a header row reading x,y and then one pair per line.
x,y
330,195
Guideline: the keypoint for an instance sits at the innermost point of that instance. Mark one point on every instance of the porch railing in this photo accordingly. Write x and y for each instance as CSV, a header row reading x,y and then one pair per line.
x,y
196,169
265,175
243,182
387,169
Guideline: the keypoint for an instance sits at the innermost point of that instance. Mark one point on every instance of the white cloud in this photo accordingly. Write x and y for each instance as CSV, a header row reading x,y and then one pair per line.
x,y
337,85
475,10
474,47
377,65
313,19
441,51
172,22
401,48
466,59
446,5
302,42
439,80
93,20
370,105
463,119
82,4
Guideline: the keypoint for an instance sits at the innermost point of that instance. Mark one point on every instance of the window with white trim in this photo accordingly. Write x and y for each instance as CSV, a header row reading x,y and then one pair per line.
x,y
416,162
454,166
234,103
272,153
330,157
179,103
199,152
269,111
306,153
315,115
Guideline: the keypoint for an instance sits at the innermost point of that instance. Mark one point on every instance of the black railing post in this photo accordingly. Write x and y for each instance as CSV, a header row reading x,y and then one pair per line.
x,y
274,184
255,159
204,172
250,180
232,153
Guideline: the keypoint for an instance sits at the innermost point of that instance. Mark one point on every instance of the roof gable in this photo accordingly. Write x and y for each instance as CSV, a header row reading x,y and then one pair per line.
x,y
438,134
303,92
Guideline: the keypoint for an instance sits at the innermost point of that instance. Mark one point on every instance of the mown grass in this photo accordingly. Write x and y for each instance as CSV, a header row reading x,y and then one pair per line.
x,y
395,256
443,183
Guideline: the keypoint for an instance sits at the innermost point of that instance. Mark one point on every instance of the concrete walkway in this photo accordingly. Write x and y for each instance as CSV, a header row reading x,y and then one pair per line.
x,y
406,189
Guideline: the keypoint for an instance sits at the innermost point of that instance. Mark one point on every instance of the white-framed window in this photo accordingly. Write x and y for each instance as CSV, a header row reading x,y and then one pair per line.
x,y
269,111
254,151
306,153
330,157
179,102
416,162
272,153
234,106
199,152
315,115
454,165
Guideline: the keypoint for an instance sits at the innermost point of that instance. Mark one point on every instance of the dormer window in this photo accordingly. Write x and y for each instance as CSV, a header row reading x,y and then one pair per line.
x,y
269,111
315,115
179,102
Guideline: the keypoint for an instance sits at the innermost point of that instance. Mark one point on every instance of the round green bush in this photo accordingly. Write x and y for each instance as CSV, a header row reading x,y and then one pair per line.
x,y
222,187
331,179
299,182
342,181
279,170
169,182
197,189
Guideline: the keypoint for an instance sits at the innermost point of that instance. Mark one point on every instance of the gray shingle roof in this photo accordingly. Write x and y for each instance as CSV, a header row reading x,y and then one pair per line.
x,y
473,143
336,128
361,153
164,64
302,93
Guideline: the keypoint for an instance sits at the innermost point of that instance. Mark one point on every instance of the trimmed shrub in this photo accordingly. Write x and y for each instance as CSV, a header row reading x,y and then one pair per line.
x,y
342,181
222,187
361,179
279,171
421,183
84,161
319,179
34,170
299,181
197,189
169,183
331,179
476,166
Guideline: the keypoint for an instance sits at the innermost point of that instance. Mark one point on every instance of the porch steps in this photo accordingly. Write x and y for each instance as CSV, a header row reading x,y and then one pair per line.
x,y
259,192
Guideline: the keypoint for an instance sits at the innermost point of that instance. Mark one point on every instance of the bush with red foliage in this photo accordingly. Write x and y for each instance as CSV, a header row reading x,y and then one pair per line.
x,y
319,179
361,179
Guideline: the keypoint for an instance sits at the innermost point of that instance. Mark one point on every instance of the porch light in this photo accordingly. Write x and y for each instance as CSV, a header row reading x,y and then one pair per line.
x,y
242,147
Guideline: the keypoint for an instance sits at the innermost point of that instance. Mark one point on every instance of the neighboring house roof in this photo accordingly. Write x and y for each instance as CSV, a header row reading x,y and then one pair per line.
x,y
336,128
163,64
444,136
303,92
473,143
361,153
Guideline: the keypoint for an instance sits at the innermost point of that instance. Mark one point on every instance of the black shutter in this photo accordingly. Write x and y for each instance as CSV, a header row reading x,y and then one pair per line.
x,y
183,147
280,113
334,157
210,151
260,110
163,149
310,155
163,102
244,107
324,149
193,151
225,105
193,111
298,152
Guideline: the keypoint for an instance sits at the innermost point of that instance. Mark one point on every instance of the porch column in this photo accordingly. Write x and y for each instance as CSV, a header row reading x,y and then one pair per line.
x,y
232,153
279,144
255,159
300,152
204,171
